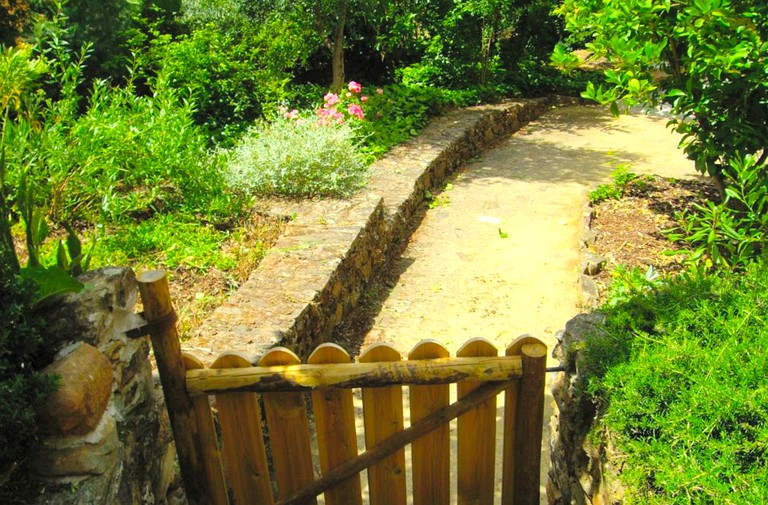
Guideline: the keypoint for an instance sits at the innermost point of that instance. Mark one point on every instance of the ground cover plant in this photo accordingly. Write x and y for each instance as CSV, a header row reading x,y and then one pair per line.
x,y
679,379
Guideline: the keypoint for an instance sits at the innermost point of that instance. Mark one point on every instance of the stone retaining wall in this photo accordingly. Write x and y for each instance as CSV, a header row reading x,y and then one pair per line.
x,y
314,275
108,439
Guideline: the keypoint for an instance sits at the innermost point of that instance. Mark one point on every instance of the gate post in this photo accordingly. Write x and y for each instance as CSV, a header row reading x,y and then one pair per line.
x,y
161,319
530,421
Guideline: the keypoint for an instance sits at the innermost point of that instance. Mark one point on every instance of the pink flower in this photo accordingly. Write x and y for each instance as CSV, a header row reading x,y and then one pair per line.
x,y
294,114
379,91
331,99
355,87
363,98
328,116
355,110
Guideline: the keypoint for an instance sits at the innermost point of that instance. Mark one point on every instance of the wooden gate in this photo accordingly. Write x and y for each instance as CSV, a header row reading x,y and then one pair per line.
x,y
231,461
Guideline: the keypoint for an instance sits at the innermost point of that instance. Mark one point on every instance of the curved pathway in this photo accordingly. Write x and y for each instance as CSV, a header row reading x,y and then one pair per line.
x,y
497,256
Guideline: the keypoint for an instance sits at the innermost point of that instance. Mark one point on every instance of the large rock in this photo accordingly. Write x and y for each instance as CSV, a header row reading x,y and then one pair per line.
x,y
78,457
85,386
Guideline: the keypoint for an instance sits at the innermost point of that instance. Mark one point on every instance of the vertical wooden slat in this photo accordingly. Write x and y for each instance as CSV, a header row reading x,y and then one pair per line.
x,y
519,426
288,426
214,473
242,439
383,417
476,436
430,453
158,311
336,434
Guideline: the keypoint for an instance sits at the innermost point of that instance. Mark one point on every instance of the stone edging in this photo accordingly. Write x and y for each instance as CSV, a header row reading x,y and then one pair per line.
x,y
316,272
591,264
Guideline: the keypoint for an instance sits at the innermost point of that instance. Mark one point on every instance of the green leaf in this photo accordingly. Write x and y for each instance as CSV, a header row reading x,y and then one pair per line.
x,y
61,257
503,234
675,92
51,281
615,109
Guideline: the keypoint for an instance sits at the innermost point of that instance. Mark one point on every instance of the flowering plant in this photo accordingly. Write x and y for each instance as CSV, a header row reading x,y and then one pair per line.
x,y
337,108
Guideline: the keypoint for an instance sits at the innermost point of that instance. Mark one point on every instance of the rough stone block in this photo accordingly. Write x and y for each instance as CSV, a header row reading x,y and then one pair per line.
x,y
79,457
83,394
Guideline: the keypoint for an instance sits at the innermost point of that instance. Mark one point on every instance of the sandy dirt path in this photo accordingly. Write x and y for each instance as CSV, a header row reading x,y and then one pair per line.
x,y
498,254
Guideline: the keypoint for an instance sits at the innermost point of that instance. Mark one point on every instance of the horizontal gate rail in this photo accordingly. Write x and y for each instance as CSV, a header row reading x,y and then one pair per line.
x,y
352,375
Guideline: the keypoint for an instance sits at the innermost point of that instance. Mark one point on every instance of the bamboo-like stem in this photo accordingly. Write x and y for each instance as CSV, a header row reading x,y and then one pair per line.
x,y
350,375
153,286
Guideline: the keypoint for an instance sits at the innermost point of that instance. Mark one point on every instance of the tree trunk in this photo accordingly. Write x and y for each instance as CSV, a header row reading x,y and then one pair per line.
x,y
337,47
485,55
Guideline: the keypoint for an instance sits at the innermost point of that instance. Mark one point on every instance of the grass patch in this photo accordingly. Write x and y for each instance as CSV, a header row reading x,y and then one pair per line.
x,y
681,381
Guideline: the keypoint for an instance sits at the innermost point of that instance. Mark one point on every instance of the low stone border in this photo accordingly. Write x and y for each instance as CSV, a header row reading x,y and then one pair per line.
x,y
591,264
316,272
580,471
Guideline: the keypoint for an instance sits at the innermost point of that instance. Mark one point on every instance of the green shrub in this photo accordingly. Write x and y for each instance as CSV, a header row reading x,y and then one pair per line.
x,y
680,379
125,156
297,157
22,387
733,232
233,73
128,156
402,110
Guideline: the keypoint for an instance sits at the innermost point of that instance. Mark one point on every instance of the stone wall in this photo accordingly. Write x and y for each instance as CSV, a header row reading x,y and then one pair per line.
x,y
108,439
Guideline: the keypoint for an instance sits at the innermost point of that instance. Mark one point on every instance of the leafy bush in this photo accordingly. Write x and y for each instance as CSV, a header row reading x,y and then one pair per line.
x,y
705,57
233,74
731,233
23,388
124,156
679,376
297,157
401,111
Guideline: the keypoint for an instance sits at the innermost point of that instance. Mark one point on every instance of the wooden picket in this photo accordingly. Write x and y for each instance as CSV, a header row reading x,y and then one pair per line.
x,y
234,465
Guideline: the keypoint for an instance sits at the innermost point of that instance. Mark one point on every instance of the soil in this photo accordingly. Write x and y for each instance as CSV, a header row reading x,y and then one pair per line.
x,y
630,230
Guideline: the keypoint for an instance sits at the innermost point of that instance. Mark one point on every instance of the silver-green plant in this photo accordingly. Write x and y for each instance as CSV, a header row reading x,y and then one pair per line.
x,y
297,157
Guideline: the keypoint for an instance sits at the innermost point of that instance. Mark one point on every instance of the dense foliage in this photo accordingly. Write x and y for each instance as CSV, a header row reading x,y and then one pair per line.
x,y
707,58
679,377
22,387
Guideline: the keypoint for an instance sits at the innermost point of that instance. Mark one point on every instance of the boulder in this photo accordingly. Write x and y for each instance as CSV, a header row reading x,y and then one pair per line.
x,y
85,385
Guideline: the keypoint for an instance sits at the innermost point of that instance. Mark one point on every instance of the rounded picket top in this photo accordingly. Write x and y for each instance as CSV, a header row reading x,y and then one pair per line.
x,y
279,356
516,347
380,352
192,362
477,347
231,359
428,349
328,353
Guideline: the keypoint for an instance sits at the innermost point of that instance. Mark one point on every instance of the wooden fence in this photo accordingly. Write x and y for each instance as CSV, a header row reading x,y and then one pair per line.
x,y
229,460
